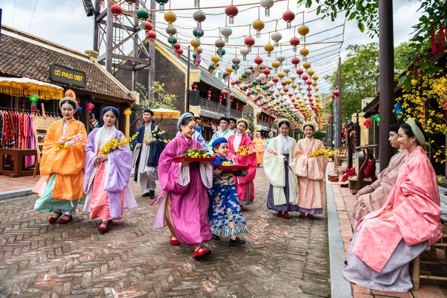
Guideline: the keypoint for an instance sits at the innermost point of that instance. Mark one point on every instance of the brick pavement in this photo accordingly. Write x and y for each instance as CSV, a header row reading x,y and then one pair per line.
x,y
282,258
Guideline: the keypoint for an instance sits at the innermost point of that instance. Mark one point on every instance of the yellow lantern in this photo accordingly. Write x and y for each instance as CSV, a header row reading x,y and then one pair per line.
x,y
275,64
215,59
310,72
281,75
127,112
229,70
288,81
303,29
282,93
314,77
314,83
304,52
306,65
258,25
269,49
170,17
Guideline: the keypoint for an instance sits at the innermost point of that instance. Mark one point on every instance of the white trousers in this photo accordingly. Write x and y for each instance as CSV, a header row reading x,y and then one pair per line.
x,y
147,180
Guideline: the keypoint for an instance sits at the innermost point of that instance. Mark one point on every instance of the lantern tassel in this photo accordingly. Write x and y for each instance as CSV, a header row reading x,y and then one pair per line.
x,y
231,20
162,8
267,12
196,3
258,33
289,25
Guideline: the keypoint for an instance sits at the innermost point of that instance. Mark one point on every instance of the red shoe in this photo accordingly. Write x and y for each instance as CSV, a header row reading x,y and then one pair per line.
x,y
200,253
279,214
104,227
286,215
53,218
174,241
310,216
66,219
241,208
302,215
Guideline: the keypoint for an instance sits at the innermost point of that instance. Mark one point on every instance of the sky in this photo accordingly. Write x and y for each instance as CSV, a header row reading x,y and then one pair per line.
x,y
65,23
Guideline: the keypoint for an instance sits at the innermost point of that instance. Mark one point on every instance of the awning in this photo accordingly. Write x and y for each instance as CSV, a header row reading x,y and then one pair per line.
x,y
24,87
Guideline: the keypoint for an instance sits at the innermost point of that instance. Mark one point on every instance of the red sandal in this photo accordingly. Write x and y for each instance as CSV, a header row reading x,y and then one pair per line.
x,y
53,218
279,214
103,227
66,219
174,241
201,253
302,215
286,215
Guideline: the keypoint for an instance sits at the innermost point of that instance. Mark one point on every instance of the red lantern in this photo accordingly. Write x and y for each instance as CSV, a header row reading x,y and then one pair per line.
x,y
367,123
224,92
220,99
305,77
258,60
231,11
288,16
266,71
147,25
299,71
249,42
209,94
295,61
275,80
179,52
294,41
90,107
116,10
151,35
336,92
177,46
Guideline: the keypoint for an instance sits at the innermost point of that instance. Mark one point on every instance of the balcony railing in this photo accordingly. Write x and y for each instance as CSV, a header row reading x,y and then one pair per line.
x,y
219,109
263,123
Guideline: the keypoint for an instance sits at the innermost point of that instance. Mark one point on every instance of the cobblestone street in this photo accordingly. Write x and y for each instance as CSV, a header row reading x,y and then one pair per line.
x,y
282,258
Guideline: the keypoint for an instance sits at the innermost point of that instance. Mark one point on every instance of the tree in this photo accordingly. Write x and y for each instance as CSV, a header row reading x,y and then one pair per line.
x,y
359,74
157,97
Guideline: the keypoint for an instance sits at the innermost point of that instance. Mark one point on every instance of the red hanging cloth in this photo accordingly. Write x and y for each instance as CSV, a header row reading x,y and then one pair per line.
x,y
433,41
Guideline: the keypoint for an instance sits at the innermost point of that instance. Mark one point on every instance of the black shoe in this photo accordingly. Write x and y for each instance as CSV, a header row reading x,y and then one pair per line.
x,y
215,237
151,194
237,242
148,194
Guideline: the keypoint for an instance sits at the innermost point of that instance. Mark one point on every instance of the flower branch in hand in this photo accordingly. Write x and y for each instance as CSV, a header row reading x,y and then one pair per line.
x,y
73,141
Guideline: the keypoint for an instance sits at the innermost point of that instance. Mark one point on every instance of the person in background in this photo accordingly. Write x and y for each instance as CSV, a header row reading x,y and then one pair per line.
x,y
271,136
278,162
245,157
233,125
196,136
149,147
259,146
93,122
385,241
226,218
225,132
373,196
62,166
107,173
184,201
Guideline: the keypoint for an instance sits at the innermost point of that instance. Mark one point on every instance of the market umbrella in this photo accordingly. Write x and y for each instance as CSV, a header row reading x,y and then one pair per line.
x,y
26,87
163,113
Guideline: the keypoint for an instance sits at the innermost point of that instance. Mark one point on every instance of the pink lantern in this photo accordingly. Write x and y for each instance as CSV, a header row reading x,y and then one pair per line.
x,y
89,107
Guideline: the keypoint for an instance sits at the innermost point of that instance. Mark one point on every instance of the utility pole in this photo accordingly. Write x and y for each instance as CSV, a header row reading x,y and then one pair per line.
x,y
386,78
151,77
188,74
338,117
228,97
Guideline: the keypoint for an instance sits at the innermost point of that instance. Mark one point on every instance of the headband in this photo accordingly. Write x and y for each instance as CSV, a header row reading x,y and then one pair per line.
x,y
310,124
113,109
218,142
70,99
242,120
417,131
184,116
283,120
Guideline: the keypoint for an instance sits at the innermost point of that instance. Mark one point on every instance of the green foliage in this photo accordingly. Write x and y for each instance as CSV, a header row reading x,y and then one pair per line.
x,y
359,75
365,12
157,97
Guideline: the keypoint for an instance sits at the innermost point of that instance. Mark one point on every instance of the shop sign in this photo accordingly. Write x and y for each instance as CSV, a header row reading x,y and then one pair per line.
x,y
68,76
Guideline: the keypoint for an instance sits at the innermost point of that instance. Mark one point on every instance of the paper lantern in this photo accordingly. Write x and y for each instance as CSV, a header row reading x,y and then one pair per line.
x,y
90,107
162,4
231,11
366,123
377,118
288,16
267,4
127,112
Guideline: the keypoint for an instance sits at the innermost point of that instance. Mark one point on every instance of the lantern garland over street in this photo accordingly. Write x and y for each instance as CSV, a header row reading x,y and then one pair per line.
x,y
275,72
